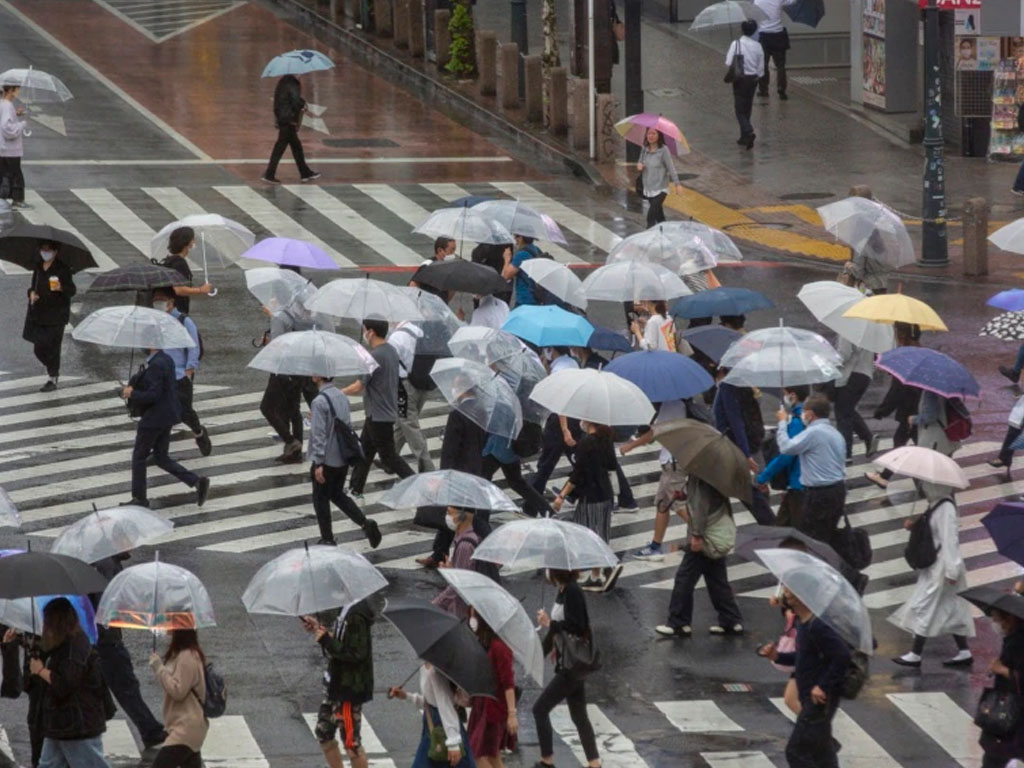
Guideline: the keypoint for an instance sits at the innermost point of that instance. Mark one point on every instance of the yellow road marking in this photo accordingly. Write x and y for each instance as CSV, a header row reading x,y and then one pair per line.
x,y
802,212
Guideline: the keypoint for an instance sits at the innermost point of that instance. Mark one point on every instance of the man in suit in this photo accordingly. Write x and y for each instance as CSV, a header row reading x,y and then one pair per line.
x,y
156,391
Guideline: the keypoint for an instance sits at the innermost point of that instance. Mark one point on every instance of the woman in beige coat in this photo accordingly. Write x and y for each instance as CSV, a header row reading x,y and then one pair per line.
x,y
181,675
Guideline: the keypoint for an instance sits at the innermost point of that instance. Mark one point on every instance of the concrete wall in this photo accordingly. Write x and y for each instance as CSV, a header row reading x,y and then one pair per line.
x,y
828,44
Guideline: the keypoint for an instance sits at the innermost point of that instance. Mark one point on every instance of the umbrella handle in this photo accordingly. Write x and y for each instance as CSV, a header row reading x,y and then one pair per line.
x,y
407,679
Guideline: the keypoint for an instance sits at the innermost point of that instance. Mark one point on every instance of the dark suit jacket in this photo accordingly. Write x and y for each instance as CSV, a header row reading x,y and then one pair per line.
x,y
462,446
157,392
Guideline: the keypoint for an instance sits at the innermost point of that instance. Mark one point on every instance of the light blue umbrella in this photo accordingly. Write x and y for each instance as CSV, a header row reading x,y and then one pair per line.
x,y
297,63
548,326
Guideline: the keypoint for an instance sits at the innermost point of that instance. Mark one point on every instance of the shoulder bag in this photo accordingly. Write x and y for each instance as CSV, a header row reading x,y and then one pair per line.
x,y
853,545
348,441
735,70
438,750
999,711
578,654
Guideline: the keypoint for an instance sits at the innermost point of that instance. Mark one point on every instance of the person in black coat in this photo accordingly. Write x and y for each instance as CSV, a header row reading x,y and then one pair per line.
x,y
49,309
156,391
18,679
289,106
1007,670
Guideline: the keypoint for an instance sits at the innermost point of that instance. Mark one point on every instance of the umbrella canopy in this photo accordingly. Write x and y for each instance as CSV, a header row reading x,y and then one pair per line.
x,y
298,62
702,450
633,281
306,580
714,240
897,308
460,275
727,13
634,130
32,574
599,397
143,276
545,543
218,238
523,371
607,340
36,86
924,464
990,598
447,488
104,533
362,298
9,515
828,300
446,642
721,301
676,249
20,245
314,353
133,327
809,12
26,613
751,538
870,229
503,613
287,251
780,356
155,596
825,592
557,279
548,326
439,323
278,289
469,201
712,340
1011,300
484,345
931,370
1005,524
1008,326
464,224
479,394
1010,238
521,219
662,375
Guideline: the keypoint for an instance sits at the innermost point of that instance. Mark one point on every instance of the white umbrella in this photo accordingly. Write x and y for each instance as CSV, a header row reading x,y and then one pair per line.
x,y
155,596
222,239
870,229
1010,237
521,219
828,300
599,397
462,224
439,323
36,85
9,515
447,488
104,533
362,298
503,613
633,281
557,279
479,394
314,353
780,356
278,289
133,327
727,13
545,543
924,464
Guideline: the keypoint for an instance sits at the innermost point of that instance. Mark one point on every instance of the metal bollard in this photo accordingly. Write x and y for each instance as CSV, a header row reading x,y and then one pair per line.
x,y
976,212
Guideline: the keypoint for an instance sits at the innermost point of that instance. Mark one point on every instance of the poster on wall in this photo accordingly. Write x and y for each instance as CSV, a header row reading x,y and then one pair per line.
x,y
988,53
874,71
966,21
874,18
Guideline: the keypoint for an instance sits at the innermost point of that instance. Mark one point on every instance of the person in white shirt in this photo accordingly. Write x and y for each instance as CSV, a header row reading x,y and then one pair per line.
x,y
745,86
774,39
404,337
437,702
12,129
490,313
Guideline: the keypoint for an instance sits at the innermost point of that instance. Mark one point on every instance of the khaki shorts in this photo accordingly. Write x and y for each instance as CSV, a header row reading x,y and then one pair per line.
x,y
671,488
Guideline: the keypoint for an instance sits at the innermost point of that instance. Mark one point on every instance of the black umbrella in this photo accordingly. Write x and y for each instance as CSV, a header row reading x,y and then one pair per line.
x,y
608,340
753,537
144,276
988,598
444,641
20,245
460,275
34,574
808,12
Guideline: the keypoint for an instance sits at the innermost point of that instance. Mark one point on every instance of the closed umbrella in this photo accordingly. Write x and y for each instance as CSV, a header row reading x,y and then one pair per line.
x,y
9,515
924,464
633,281
306,580
634,130
897,308
720,301
828,300
521,219
446,488
36,86
439,323
460,275
1010,237
464,224
33,574
557,279
781,356
143,276
548,326
990,598
479,394
104,533
289,252
20,245
504,614
364,298
314,353
298,62
809,12
1008,326
701,450
662,375
220,238
484,345
545,543
930,370
666,245
871,229
712,340
278,289
155,596
599,397
133,327
1005,524
1011,300
727,14
751,538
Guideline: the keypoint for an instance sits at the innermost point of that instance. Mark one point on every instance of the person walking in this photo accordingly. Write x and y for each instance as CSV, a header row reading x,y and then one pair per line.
x,y
1007,670
181,673
901,401
12,146
458,522
348,682
568,617
791,506
436,700
774,39
180,243
18,678
156,393
524,250
744,84
560,433
49,310
186,363
932,419
1014,427
380,397
657,173
711,527
289,107
858,366
444,247
1013,372
659,332
737,415
493,721
73,710
327,468
404,337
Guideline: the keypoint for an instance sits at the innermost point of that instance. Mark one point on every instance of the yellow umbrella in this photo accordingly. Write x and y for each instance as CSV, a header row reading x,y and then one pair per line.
x,y
897,308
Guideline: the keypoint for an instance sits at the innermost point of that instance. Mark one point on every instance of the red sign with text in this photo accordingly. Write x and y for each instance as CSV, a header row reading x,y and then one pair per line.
x,y
949,5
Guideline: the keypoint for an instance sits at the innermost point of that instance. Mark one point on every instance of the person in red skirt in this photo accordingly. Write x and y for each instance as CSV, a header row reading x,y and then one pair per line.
x,y
492,722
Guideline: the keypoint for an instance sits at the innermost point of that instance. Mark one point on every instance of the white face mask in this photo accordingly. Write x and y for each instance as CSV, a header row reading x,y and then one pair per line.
x,y
805,417
790,401
450,522
161,306
473,623
48,255
547,354
996,627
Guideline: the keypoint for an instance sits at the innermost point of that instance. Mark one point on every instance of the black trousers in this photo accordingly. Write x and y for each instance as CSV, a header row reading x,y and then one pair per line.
x,y
1005,453
904,434
514,476
776,55
120,678
716,578
188,413
11,168
280,407
288,136
156,441
553,447
177,756
810,744
655,212
791,508
564,687
333,490
848,418
823,508
743,90
761,507
378,438
47,345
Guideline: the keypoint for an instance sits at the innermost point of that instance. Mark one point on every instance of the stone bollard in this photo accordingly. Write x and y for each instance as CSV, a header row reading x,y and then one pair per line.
x,y
382,18
579,119
534,74
487,63
861,190
976,212
509,75
558,101
401,23
442,37
606,146
414,25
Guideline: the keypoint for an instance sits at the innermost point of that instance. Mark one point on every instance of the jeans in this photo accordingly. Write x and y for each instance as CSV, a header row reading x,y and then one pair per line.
x,y
810,744
333,489
177,756
156,441
288,136
848,419
188,413
378,437
1018,185
11,168
564,687
777,55
716,578
73,753
514,477
553,447
407,430
823,508
1006,453
280,407
120,678
655,212
743,90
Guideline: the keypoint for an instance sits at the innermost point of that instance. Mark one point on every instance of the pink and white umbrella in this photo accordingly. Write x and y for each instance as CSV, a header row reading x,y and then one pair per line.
x,y
634,130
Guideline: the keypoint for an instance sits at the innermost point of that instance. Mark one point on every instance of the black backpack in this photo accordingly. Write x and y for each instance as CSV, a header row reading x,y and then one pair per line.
x,y
529,440
348,440
853,545
921,551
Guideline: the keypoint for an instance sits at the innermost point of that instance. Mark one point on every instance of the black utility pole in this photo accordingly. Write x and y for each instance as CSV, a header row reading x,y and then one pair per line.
x,y
634,80
934,246
519,37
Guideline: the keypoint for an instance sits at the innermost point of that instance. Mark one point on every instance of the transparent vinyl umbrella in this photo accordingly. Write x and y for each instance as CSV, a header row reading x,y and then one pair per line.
x,y
447,488
278,289
439,323
104,533
634,281
545,543
133,327
521,219
667,245
523,371
36,86
484,345
155,596
464,224
557,279
599,397
727,14
870,229
218,238
828,300
781,356
479,394
314,353
361,298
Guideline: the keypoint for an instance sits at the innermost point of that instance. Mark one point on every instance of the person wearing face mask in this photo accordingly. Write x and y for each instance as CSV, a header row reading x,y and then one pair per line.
x,y
12,131
935,607
493,720
460,523
524,286
1008,671
792,500
181,241
49,310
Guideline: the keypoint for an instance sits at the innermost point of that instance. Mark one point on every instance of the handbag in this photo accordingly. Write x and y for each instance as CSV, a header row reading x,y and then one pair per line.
x,y
735,70
720,537
786,643
999,711
438,749
578,654
853,545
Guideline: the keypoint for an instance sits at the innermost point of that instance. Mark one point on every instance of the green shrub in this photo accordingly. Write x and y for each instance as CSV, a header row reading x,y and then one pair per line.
x,y
462,56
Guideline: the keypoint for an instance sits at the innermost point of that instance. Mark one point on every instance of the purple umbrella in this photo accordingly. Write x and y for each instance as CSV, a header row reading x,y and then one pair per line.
x,y
1004,524
927,369
1011,301
292,253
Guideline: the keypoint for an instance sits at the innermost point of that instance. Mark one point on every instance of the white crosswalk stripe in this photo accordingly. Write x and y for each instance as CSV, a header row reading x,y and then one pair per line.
x,y
944,722
119,216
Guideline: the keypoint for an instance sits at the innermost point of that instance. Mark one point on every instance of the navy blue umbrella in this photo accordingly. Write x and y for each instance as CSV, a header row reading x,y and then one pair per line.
x,y
1005,524
721,301
662,375
927,369
712,340
608,340
808,12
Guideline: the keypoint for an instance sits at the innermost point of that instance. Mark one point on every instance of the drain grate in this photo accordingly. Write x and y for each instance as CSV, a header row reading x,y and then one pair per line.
x,y
359,143
807,196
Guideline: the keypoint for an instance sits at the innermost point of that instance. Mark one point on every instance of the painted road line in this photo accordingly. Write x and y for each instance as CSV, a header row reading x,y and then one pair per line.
x,y
388,197
29,381
206,160
697,716
118,741
859,749
944,722
345,217
44,213
63,393
230,744
255,543
174,201
209,17
118,217
275,220
368,737
615,748
5,746
585,227
737,760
